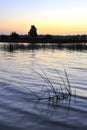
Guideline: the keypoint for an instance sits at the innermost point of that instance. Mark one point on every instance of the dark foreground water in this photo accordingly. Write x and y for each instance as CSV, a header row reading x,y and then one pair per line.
x,y
20,82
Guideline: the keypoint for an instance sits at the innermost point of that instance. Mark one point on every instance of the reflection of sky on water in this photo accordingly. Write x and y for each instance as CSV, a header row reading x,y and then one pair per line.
x,y
19,106
21,61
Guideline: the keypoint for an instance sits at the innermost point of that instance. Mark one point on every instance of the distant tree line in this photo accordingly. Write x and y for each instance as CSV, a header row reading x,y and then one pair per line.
x,y
33,37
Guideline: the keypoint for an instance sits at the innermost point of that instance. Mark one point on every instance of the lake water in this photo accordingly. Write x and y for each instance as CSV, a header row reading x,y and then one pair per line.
x,y
22,70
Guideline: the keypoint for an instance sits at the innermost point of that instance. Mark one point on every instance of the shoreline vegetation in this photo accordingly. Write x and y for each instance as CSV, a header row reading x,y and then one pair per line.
x,y
16,38
33,37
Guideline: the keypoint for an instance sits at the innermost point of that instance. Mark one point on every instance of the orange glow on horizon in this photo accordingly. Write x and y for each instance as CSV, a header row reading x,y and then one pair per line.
x,y
54,28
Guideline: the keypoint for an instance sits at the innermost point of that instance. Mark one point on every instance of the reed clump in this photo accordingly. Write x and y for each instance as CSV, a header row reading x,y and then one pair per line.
x,y
61,92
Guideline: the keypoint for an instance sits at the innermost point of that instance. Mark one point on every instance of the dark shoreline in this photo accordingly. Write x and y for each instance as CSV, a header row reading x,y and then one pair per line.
x,y
44,39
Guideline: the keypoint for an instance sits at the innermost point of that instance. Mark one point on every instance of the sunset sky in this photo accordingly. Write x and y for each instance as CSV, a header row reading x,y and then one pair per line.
x,y
49,16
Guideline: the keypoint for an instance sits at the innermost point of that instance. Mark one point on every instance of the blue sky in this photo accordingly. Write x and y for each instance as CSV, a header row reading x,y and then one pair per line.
x,y
49,16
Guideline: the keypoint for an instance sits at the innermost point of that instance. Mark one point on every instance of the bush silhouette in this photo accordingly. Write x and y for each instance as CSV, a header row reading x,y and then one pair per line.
x,y
14,35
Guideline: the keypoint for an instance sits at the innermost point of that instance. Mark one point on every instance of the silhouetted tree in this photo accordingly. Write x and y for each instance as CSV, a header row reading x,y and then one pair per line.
x,y
33,31
14,35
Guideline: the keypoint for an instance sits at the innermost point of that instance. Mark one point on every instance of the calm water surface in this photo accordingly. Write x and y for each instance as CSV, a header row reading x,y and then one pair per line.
x,y
19,85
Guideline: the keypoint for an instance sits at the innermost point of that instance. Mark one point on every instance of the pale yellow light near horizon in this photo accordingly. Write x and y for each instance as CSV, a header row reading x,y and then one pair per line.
x,y
56,25
63,24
